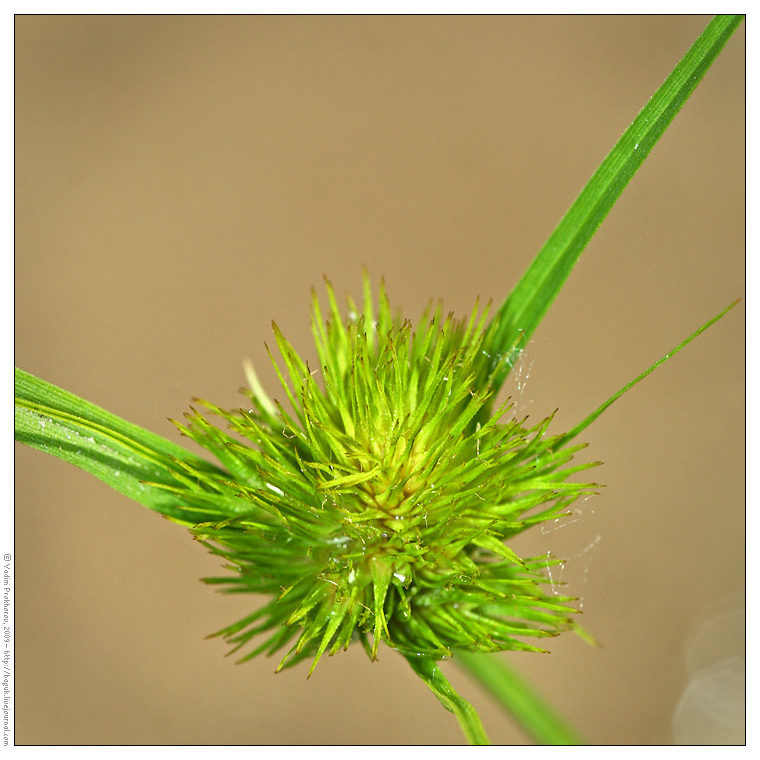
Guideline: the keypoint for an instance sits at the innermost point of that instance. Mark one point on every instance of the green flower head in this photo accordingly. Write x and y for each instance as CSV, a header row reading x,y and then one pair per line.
x,y
379,505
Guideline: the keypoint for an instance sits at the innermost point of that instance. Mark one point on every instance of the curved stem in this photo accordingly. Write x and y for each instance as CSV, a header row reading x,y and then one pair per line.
x,y
465,713
525,705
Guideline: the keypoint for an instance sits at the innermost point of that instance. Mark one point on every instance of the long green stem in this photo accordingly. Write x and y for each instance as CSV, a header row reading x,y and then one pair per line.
x,y
525,705
469,720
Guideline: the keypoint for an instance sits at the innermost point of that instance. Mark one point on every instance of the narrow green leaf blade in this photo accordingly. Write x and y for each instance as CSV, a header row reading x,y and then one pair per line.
x,y
522,311
122,455
567,437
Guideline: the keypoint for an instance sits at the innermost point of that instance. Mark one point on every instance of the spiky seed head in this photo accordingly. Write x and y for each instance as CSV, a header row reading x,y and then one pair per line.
x,y
377,499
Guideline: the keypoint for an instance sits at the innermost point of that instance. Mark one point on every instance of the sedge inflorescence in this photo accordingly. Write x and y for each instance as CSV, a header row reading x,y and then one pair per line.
x,y
378,506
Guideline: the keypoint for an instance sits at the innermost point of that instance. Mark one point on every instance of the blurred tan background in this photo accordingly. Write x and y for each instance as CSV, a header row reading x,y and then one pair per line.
x,y
182,181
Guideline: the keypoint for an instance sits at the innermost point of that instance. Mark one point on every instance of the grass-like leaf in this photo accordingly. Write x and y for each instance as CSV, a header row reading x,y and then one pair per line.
x,y
583,424
133,461
521,312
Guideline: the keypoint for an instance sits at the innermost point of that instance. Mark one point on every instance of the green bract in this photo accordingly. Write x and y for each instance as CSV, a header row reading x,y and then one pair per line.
x,y
378,507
